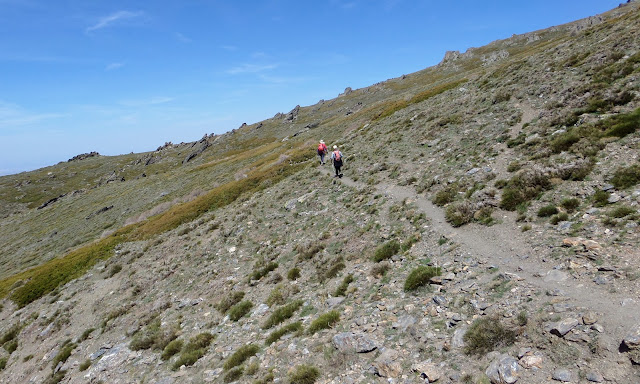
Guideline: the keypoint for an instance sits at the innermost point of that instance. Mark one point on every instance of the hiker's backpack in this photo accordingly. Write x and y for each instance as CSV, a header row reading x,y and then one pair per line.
x,y
321,148
337,156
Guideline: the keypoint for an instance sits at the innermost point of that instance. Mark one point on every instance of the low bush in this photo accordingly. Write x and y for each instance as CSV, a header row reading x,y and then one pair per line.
x,y
64,353
171,349
627,177
487,334
562,216
324,321
459,214
342,288
3,363
229,301
153,336
240,356
239,310
193,350
233,374
547,210
379,270
277,334
570,204
85,365
622,211
601,198
281,314
386,250
446,195
293,274
262,272
304,374
420,276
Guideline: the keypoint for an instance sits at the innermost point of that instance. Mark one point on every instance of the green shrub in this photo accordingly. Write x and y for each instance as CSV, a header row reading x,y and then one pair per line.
x,y
342,288
627,177
324,321
277,334
380,269
281,314
233,375
570,204
3,363
114,270
293,274
511,198
555,219
446,195
64,353
239,310
240,356
622,211
304,374
229,301
386,250
601,198
194,350
85,335
514,166
84,365
153,336
487,334
11,346
333,271
621,125
171,349
420,276
307,251
522,187
268,378
547,210
564,141
459,214
262,272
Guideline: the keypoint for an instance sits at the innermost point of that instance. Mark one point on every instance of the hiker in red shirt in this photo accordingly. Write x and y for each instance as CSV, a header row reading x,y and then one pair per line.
x,y
322,150
336,156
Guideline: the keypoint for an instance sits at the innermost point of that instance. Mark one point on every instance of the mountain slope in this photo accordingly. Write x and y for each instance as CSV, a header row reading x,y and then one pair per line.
x,y
495,194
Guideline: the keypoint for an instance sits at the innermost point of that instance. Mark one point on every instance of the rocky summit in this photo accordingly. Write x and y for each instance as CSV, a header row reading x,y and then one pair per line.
x,y
484,230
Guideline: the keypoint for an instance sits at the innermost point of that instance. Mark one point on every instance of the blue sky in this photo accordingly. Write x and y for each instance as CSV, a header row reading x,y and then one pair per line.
x,y
126,76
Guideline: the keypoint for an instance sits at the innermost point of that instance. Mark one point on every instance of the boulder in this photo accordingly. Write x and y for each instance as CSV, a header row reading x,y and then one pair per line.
x,y
428,371
349,342
503,370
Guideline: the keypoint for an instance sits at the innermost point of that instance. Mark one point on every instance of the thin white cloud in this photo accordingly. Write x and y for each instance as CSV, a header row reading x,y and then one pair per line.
x,y
182,38
113,18
114,66
12,116
251,68
145,102
229,47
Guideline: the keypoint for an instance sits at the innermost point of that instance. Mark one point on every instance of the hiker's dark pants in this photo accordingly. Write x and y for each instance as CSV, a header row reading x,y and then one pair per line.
x,y
321,154
337,165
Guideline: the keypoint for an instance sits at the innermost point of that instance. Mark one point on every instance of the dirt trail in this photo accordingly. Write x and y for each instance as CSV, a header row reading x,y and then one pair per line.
x,y
505,246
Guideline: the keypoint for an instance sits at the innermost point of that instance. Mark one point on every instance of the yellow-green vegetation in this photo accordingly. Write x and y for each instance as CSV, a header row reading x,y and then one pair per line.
x,y
241,355
84,365
626,177
229,301
304,374
459,214
47,277
65,351
522,187
85,334
268,378
342,288
293,274
233,374
622,211
153,336
3,363
487,334
386,250
570,204
277,334
547,210
281,314
419,277
171,349
324,321
262,272
239,310
193,350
